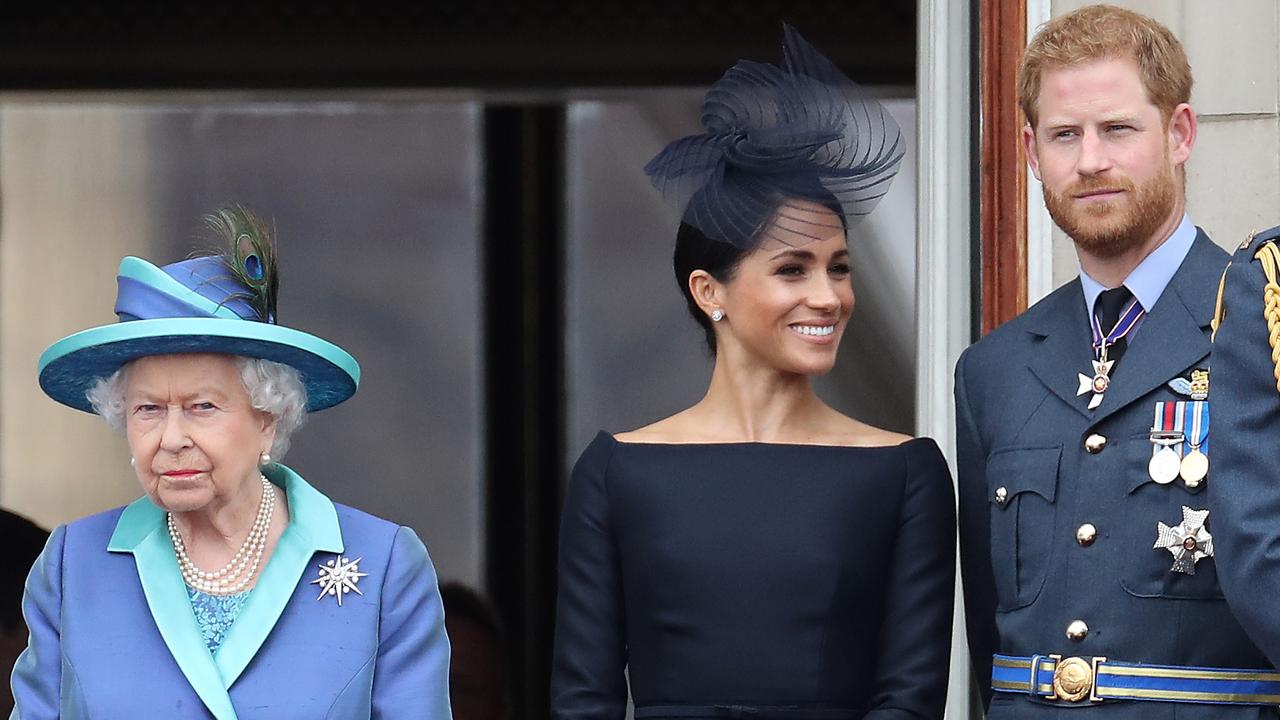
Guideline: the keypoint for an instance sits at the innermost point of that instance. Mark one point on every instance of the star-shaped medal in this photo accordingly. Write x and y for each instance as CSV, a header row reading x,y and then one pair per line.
x,y
1097,383
1188,541
339,577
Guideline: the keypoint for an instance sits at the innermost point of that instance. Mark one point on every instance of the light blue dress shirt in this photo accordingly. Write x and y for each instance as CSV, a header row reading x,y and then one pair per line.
x,y
1148,281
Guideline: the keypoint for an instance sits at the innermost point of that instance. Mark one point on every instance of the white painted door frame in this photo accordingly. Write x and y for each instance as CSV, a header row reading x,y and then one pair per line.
x,y
1039,224
945,245
944,248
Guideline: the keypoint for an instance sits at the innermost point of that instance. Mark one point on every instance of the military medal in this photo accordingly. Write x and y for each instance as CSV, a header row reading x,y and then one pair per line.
x,y
1195,462
1164,465
1188,542
1098,382
1166,439
1194,468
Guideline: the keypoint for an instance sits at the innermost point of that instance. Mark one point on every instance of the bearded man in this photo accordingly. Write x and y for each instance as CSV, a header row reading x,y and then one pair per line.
x,y
1086,551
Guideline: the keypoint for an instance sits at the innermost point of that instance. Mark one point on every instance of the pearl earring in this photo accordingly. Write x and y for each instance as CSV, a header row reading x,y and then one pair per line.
x,y
133,462
717,315
264,459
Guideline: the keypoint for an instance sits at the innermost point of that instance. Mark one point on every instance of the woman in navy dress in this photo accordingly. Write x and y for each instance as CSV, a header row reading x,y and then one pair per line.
x,y
759,554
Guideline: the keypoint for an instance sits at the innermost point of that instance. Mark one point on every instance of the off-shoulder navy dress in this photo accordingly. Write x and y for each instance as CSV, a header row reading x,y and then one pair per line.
x,y
755,580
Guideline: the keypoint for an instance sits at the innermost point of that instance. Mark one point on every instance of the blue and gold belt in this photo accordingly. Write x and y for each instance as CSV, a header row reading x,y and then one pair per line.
x,y
1091,680
755,712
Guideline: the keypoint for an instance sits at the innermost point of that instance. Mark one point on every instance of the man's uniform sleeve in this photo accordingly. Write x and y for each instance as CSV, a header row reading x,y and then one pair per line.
x,y
1244,434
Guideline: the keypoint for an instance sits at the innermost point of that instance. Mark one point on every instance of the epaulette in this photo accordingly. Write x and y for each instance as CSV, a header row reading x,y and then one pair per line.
x,y
1256,240
1262,247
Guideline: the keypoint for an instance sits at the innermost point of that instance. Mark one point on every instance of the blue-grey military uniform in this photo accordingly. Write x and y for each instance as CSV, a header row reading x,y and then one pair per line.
x,y
1059,517
1244,491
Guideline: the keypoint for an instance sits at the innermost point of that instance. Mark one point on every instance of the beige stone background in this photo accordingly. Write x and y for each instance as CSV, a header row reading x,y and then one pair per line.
x,y
43,214
1233,178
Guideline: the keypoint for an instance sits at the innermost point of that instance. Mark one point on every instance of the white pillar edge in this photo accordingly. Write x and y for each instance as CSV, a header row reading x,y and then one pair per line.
x,y
1039,224
943,249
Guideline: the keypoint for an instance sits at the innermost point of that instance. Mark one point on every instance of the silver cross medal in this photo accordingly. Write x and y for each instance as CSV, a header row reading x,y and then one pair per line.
x,y
1099,382
1188,541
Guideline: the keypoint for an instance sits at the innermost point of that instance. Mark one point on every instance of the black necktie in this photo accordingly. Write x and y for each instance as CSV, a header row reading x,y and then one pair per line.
x,y
1108,308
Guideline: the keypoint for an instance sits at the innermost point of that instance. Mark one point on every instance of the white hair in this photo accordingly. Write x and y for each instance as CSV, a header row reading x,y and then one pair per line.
x,y
273,388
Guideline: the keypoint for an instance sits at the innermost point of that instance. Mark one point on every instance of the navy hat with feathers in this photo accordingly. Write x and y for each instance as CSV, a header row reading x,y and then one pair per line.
x,y
775,135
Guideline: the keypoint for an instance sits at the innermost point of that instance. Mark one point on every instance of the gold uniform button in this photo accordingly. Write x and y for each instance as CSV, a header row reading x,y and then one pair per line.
x,y
1086,534
1094,443
1077,630
1002,494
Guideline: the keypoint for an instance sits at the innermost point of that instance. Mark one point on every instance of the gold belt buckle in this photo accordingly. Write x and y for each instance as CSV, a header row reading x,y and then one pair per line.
x,y
1075,679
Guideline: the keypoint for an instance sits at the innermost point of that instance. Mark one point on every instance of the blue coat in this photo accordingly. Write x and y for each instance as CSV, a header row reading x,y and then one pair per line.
x,y
1245,457
113,634
1028,483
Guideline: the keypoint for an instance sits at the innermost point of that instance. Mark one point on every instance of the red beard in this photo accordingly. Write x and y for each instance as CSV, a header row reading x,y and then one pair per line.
x,y
1111,229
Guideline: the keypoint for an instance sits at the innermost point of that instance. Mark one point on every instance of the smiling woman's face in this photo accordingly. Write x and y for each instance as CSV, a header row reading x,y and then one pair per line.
x,y
790,299
194,435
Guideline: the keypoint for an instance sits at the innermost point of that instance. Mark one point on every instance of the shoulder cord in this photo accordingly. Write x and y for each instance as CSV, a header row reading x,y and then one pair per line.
x,y
1269,256
1217,307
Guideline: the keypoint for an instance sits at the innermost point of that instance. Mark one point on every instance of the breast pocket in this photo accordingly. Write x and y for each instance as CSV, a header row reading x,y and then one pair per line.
x,y
1022,486
1147,570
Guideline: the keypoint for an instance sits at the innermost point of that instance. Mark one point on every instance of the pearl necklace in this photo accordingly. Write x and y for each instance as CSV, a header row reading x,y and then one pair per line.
x,y
232,577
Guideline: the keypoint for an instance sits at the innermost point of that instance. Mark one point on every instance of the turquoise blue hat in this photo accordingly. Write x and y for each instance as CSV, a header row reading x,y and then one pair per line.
x,y
200,305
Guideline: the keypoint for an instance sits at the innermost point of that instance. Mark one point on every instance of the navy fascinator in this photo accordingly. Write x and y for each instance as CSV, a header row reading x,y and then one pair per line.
x,y
777,135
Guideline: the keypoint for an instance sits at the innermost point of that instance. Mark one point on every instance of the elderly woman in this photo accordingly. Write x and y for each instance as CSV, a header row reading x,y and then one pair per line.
x,y
232,588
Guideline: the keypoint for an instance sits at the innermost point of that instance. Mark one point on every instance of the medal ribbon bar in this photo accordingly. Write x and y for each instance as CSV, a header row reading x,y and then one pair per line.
x,y
1198,437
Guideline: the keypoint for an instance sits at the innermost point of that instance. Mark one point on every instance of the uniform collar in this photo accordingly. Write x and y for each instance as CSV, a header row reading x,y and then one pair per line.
x,y
1174,334
1148,281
